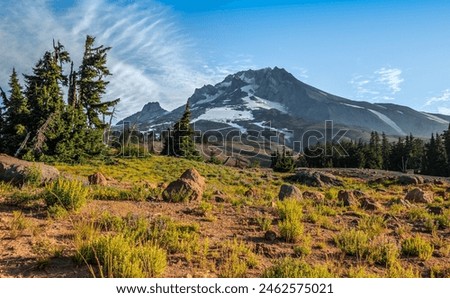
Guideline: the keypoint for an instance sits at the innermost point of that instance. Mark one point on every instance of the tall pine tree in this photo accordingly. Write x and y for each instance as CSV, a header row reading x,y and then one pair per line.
x,y
180,139
46,103
15,116
91,89
385,151
435,158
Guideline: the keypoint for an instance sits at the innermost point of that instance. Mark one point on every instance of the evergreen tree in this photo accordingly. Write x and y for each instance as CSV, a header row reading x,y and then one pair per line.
x,y
91,89
3,98
374,158
46,104
446,137
435,159
92,85
15,116
385,151
283,162
180,139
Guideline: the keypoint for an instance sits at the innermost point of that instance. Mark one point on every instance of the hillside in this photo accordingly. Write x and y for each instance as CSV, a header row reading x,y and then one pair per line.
x,y
358,224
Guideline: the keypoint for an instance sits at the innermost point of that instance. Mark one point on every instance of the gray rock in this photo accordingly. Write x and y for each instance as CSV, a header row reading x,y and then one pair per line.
x,y
419,196
289,191
316,178
18,171
410,180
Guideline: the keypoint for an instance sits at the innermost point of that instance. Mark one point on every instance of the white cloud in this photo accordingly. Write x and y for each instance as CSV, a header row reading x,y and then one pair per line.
x,y
381,85
151,59
445,96
391,77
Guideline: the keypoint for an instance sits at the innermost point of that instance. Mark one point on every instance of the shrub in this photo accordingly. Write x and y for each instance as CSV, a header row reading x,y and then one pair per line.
x,y
305,248
385,254
70,194
399,271
353,242
237,259
417,247
291,213
264,223
373,225
175,237
291,268
117,256
291,229
18,224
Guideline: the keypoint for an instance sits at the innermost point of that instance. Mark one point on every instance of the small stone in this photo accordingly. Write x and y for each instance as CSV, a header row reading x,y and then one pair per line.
x,y
270,236
97,179
436,210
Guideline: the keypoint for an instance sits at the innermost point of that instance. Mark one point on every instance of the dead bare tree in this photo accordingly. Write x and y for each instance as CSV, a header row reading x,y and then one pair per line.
x,y
40,137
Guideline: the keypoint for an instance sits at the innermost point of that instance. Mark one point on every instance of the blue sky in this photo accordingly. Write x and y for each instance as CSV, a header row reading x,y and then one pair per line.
x,y
377,51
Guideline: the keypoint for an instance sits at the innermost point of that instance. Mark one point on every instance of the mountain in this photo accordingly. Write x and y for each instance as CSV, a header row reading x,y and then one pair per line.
x,y
272,99
150,112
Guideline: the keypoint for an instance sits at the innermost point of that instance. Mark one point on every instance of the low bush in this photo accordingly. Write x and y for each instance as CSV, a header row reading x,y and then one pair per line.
x,y
70,194
417,247
292,268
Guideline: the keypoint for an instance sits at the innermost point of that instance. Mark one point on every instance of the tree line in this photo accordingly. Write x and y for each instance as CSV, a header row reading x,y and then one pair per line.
x,y
58,115
408,153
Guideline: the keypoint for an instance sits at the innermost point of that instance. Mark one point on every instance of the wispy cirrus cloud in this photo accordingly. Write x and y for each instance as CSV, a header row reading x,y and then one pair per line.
x,y
381,85
444,97
391,77
151,59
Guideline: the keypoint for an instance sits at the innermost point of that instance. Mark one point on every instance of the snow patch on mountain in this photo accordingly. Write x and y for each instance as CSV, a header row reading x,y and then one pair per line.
x,y
224,84
388,121
225,115
435,118
353,106
254,102
244,78
208,98
288,134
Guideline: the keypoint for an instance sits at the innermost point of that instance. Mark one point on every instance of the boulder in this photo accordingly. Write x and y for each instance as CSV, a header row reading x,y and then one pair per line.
x,y
97,179
19,171
348,198
316,178
419,196
189,187
289,191
410,180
